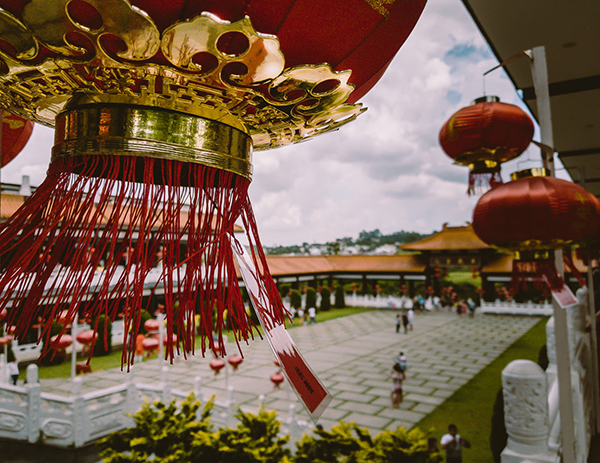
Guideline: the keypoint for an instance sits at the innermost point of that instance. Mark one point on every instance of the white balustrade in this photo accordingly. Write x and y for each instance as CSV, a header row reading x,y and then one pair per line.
x,y
29,415
531,396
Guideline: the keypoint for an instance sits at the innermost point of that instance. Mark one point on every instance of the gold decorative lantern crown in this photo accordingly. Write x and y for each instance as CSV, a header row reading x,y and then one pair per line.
x,y
247,90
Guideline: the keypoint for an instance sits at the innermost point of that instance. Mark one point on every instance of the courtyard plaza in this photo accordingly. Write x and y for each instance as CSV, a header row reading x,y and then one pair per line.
x,y
353,357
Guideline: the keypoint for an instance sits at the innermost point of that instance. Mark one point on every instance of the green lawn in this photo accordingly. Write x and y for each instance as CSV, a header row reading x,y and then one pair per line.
x,y
114,359
471,407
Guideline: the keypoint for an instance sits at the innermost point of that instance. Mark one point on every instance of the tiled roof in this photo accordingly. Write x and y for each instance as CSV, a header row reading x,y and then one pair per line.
x,y
449,239
11,202
299,265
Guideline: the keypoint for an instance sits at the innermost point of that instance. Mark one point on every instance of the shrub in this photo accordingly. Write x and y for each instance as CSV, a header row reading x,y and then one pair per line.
x,y
340,445
311,297
164,433
296,299
104,332
340,300
325,299
284,290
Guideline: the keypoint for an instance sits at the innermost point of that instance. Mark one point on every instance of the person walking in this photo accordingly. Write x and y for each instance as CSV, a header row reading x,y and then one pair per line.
x,y
397,378
452,443
411,317
13,371
405,320
398,322
312,315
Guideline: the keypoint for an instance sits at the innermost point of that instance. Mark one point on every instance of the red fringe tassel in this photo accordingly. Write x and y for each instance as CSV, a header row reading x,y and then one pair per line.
x,y
541,272
86,241
479,182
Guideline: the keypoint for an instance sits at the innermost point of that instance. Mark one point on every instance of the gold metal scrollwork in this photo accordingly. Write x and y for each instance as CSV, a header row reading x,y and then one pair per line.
x,y
273,105
50,22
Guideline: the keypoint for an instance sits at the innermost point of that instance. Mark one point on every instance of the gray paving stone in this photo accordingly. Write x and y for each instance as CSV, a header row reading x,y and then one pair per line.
x,y
354,397
367,409
353,357
402,415
370,421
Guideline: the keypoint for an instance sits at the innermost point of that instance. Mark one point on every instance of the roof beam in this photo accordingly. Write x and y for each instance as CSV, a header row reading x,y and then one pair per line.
x,y
582,84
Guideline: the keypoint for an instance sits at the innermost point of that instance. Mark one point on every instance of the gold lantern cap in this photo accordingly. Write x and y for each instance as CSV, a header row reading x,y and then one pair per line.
x,y
534,172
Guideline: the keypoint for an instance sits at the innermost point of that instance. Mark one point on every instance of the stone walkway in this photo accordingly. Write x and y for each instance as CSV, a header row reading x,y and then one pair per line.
x,y
353,357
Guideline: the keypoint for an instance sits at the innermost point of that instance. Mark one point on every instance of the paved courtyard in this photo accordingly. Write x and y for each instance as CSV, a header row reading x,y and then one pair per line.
x,y
353,357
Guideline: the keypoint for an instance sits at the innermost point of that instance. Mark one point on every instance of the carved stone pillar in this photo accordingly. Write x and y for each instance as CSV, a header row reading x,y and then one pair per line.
x,y
551,351
525,413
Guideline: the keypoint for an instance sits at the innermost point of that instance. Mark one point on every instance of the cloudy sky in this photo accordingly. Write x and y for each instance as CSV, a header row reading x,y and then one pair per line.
x,y
386,169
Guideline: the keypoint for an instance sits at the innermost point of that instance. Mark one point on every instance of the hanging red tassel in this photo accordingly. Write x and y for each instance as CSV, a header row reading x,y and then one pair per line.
x,y
91,211
541,272
483,178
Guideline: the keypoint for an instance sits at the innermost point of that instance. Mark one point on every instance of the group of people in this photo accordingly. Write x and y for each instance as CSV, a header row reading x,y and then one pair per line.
x,y
406,320
308,316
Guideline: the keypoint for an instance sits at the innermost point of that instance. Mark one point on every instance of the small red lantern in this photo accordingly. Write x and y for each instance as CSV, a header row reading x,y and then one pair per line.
x,y
430,290
150,344
86,337
277,379
235,361
533,215
60,342
152,325
484,135
216,365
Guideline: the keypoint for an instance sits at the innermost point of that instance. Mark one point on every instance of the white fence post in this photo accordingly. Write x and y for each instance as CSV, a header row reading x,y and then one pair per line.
x,y
526,413
34,402
80,421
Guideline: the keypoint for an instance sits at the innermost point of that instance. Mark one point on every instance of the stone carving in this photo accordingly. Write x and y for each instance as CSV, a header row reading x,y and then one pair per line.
x,y
525,402
59,429
12,421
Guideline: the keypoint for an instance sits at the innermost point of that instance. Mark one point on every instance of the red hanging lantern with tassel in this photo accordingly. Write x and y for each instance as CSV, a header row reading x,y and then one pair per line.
x,y
533,215
157,108
484,135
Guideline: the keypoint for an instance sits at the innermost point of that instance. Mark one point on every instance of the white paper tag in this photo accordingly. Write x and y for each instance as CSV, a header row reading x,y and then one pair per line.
x,y
309,389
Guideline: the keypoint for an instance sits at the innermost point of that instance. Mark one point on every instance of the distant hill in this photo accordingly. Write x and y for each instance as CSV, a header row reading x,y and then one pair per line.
x,y
368,242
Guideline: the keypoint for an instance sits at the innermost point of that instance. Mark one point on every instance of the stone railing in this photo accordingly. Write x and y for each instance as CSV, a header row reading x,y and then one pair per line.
x,y
531,400
27,414
514,308
31,352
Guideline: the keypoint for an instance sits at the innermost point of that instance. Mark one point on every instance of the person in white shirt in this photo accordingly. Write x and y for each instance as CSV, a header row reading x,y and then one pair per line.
x,y
312,315
13,371
452,443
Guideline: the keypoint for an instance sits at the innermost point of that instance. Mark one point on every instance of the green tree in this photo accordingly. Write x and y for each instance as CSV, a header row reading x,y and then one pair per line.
x,y
340,298
284,290
325,298
311,297
296,299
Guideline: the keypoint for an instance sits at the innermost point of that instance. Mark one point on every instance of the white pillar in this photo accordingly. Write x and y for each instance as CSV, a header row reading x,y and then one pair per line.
x,y
525,413
34,403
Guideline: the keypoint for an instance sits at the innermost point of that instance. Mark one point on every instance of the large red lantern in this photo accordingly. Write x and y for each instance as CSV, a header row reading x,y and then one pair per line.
x,y
533,215
16,132
157,107
484,135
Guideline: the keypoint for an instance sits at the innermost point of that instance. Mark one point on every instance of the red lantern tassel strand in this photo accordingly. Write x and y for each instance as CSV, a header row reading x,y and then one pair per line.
x,y
541,272
116,213
479,182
